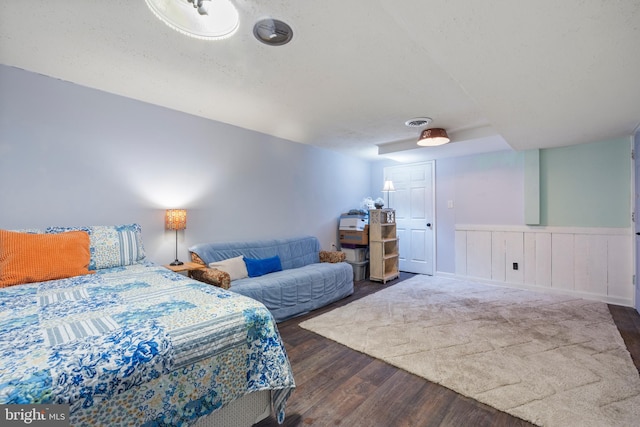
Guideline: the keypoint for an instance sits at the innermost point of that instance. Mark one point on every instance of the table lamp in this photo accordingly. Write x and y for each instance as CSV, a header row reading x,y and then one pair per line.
x,y
176,219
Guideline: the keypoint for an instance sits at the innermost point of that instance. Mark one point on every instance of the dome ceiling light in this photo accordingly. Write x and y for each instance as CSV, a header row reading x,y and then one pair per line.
x,y
202,19
433,137
429,137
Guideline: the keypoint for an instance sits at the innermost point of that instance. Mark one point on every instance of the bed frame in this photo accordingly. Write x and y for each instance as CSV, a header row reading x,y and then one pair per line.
x,y
243,412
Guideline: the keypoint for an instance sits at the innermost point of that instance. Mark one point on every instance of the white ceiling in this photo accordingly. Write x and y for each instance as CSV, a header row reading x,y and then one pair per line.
x,y
495,74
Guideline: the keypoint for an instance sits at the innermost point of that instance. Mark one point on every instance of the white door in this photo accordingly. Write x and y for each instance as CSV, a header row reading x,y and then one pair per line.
x,y
413,201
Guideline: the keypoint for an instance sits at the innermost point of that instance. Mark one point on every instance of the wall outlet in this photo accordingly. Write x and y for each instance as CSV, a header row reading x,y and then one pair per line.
x,y
515,265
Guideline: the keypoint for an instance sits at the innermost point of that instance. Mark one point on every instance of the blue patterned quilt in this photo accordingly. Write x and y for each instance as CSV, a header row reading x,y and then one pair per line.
x,y
137,345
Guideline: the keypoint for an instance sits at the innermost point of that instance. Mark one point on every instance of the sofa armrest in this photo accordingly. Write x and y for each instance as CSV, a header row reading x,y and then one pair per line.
x,y
211,276
332,256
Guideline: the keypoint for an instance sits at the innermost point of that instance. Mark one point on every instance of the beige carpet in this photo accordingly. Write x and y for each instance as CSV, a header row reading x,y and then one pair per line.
x,y
549,359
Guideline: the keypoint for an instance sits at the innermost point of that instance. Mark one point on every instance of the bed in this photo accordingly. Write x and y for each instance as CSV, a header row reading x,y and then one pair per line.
x,y
135,343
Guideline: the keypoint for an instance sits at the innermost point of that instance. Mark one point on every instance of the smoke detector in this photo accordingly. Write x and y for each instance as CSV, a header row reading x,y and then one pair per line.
x,y
418,122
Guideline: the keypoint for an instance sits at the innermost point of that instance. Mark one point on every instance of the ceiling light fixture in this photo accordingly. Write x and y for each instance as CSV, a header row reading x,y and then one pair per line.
x,y
202,19
433,137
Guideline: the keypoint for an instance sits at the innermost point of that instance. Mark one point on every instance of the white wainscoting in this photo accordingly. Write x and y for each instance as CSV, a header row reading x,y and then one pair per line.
x,y
594,263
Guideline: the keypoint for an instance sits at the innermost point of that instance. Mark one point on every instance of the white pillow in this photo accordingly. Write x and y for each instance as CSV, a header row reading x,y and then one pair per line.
x,y
236,267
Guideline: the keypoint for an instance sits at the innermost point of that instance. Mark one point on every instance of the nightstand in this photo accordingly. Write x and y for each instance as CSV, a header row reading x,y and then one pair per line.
x,y
187,266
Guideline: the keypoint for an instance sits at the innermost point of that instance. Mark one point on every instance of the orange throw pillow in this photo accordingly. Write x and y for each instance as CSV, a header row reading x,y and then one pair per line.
x,y
27,258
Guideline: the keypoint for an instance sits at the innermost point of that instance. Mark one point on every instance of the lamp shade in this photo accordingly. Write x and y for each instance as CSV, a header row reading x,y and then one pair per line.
x,y
175,219
433,137
388,186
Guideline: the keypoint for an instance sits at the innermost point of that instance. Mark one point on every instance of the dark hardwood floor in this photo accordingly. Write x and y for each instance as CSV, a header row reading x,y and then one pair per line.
x,y
337,386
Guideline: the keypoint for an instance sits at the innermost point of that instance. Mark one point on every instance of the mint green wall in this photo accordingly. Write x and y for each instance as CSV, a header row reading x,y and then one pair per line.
x,y
586,185
532,187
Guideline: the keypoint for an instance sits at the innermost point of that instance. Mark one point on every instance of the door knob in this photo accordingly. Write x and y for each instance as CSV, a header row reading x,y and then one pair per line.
x,y
429,224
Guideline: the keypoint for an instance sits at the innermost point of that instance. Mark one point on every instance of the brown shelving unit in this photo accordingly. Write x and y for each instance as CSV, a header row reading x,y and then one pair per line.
x,y
383,245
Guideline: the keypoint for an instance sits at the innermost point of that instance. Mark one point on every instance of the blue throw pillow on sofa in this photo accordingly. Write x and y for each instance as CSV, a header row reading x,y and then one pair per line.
x,y
260,267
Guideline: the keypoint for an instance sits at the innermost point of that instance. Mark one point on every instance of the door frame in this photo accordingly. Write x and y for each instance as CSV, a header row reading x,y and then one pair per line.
x,y
635,206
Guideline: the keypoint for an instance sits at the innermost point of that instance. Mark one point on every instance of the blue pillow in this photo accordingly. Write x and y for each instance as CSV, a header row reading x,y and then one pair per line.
x,y
259,267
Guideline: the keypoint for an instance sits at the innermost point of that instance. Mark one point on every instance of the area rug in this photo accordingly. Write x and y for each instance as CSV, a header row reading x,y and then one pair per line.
x,y
548,359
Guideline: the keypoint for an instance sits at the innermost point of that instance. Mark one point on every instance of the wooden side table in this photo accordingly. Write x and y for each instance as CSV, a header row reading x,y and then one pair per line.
x,y
187,266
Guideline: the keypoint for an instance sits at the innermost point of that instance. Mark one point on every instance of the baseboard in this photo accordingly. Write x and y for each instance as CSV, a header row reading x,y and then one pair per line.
x,y
584,295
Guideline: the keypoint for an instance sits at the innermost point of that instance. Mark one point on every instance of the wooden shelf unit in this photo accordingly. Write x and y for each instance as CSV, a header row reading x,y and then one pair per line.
x,y
383,245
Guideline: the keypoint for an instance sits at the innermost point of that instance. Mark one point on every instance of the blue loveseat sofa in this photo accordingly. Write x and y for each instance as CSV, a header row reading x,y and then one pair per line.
x,y
304,283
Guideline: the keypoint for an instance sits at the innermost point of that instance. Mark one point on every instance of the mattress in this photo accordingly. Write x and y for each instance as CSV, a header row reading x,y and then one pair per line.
x,y
137,345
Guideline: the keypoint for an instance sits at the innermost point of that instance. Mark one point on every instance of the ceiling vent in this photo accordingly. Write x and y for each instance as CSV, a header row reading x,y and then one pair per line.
x,y
272,32
418,122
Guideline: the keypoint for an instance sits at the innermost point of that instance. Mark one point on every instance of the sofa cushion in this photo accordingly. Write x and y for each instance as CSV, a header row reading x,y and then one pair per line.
x,y
260,267
236,267
292,292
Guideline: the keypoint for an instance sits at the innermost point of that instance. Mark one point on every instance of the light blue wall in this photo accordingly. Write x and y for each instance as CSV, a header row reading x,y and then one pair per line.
x,y
70,155
484,188
488,188
587,185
